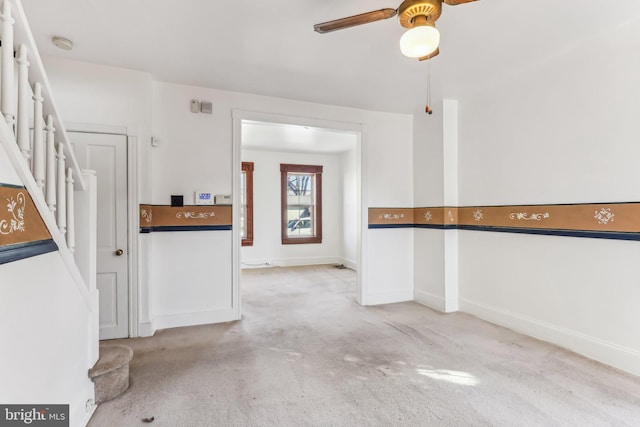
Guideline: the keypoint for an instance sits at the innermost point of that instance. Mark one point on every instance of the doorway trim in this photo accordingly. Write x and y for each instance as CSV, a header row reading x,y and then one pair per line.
x,y
132,212
238,116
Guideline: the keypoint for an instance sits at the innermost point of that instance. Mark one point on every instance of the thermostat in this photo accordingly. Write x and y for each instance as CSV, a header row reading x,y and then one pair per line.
x,y
204,198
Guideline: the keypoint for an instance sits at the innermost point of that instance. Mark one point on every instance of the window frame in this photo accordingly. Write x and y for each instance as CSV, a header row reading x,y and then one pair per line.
x,y
285,169
247,169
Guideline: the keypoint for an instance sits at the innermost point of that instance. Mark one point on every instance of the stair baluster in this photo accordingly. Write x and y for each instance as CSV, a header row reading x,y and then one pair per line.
x,y
50,181
71,231
38,133
61,192
22,131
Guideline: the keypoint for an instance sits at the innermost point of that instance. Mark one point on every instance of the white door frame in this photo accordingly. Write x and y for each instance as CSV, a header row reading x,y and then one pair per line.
x,y
361,174
133,220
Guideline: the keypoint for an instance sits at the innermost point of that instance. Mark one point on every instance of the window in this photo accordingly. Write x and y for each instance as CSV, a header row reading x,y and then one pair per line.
x,y
246,204
301,197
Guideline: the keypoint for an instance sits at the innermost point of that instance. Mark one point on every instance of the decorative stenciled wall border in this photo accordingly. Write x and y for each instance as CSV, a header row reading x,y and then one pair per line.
x,y
620,221
23,233
154,218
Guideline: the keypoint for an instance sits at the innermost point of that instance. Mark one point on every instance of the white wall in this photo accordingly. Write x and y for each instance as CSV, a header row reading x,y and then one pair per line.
x,y
267,246
190,274
563,131
195,154
428,164
350,209
8,174
45,328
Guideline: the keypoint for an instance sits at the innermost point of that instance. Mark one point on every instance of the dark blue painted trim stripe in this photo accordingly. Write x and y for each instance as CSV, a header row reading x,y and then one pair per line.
x,y
20,251
375,226
613,235
2,184
184,228
527,205
437,226
434,226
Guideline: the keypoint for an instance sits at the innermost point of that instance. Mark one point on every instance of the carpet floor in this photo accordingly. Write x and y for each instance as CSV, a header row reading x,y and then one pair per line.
x,y
306,354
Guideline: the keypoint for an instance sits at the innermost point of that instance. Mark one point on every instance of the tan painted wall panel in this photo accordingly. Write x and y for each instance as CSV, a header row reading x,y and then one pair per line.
x,y
170,216
20,221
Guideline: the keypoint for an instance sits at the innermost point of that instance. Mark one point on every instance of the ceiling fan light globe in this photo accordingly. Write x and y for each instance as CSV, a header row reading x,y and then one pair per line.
x,y
420,41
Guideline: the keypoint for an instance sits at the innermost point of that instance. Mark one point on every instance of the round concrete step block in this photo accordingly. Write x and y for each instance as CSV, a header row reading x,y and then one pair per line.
x,y
111,373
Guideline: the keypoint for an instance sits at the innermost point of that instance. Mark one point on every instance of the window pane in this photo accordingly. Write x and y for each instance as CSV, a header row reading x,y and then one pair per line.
x,y
243,204
300,201
246,204
301,208
243,222
300,221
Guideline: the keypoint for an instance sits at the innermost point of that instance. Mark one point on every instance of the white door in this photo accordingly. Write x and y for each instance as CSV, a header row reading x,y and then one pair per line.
x,y
107,155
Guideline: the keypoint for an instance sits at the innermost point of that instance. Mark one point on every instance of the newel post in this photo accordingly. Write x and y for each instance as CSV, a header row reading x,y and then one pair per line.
x,y
7,103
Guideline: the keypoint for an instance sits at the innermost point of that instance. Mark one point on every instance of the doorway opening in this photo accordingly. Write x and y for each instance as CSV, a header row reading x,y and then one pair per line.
x,y
298,196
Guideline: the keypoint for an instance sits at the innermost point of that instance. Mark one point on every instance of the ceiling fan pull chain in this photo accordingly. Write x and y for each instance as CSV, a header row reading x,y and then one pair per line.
x,y
428,109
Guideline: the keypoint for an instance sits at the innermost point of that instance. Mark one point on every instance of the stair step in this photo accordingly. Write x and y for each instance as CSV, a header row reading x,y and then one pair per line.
x,y
111,373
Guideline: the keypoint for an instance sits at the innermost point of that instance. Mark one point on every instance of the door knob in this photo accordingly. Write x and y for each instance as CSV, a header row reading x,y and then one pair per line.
x,y
119,252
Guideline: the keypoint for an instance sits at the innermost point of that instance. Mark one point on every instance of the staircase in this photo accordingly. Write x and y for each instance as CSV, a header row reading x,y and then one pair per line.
x,y
42,185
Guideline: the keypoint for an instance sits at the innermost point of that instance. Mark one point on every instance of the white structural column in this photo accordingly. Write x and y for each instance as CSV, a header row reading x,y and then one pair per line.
x,y
71,233
61,195
450,162
38,140
50,180
22,130
7,102
86,206
86,223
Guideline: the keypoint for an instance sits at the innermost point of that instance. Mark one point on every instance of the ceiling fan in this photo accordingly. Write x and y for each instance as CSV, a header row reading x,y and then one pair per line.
x,y
419,16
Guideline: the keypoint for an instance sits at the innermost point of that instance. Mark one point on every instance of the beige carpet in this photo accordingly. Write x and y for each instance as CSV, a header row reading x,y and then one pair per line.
x,y
305,354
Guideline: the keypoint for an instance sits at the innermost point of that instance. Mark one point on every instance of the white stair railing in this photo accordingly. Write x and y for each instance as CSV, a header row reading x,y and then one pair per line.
x,y
48,153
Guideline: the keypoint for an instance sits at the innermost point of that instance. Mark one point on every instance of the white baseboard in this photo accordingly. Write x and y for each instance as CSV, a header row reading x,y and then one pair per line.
x,y
389,297
612,354
94,328
83,406
295,262
196,318
146,329
349,263
430,300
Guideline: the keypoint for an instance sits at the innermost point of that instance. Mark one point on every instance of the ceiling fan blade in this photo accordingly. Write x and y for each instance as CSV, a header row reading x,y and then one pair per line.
x,y
352,21
456,2
431,55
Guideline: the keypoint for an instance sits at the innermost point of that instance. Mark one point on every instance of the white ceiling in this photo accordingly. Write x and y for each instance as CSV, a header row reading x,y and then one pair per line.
x,y
270,48
293,138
